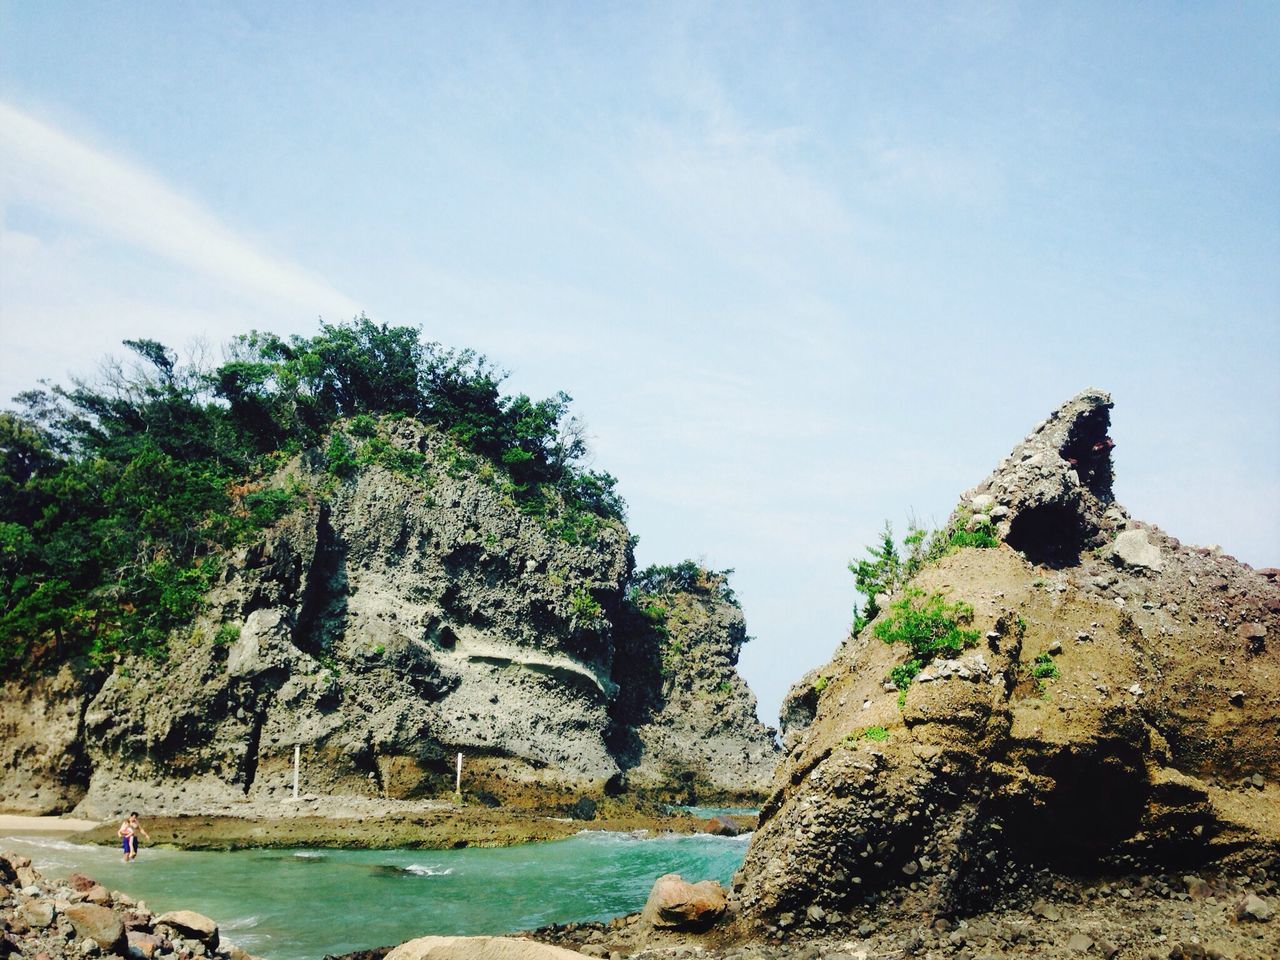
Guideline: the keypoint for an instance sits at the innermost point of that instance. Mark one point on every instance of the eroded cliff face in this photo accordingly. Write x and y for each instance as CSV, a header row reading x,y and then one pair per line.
x,y
691,734
1119,710
392,621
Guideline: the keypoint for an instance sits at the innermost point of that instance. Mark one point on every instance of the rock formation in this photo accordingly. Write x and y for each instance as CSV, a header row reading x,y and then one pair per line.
x,y
1112,706
690,729
76,917
391,621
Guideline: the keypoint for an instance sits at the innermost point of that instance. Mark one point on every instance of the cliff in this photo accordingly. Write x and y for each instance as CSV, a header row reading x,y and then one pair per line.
x,y
402,611
691,731
1083,695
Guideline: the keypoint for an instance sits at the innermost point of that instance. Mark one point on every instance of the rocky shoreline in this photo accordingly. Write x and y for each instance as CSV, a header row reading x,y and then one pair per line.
x,y
1205,916
44,919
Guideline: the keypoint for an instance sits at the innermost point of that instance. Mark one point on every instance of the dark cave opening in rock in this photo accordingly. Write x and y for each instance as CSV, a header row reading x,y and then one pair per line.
x,y
1051,535
1088,450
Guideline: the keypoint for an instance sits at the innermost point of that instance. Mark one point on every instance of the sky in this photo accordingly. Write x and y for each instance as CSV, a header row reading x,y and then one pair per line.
x,y
803,267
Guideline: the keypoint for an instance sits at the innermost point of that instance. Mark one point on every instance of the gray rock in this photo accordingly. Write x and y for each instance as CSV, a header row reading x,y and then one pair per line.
x,y
1133,548
1253,907
1079,943
1046,910
37,914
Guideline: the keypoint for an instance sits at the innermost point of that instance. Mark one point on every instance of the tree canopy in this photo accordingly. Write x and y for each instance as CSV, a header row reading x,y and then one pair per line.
x,y
117,496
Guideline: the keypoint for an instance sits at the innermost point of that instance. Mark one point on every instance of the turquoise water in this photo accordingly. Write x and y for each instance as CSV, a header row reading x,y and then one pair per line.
x,y
706,813
295,904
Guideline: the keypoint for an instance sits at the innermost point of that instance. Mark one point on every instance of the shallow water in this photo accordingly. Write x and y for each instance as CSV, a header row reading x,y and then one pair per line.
x,y
707,813
294,904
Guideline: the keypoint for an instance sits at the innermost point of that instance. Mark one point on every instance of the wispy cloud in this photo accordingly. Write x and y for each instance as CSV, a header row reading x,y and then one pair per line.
x,y
55,173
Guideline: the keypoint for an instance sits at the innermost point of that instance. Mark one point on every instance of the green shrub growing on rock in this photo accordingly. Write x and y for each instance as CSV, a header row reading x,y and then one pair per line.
x,y
930,627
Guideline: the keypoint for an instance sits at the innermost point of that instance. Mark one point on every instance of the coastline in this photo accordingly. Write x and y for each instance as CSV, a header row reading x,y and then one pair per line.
x,y
438,828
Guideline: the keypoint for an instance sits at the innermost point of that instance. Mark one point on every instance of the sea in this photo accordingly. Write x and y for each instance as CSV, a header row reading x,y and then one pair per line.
x,y
305,903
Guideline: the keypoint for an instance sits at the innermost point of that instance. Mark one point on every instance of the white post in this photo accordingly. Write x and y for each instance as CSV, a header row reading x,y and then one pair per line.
x,y
457,785
297,760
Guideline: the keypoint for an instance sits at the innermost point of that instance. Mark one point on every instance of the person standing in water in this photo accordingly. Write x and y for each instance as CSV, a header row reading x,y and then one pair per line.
x,y
128,834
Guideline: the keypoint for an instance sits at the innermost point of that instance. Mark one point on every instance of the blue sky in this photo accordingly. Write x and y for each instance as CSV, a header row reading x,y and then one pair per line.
x,y
803,267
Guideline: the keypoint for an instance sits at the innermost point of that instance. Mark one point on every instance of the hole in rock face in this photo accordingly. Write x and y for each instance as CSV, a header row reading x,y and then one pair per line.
x,y
1088,450
1051,535
1096,804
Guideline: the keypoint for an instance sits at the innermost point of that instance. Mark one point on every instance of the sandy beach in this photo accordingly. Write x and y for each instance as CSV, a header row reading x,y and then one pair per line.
x,y
11,823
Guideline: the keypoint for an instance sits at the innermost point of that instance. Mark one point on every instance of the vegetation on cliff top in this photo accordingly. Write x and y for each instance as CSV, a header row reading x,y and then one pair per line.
x,y
118,496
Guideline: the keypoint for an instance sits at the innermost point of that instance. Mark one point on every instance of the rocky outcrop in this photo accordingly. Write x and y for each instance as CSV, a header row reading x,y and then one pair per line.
x,y
689,731
56,919
401,614
43,767
1114,708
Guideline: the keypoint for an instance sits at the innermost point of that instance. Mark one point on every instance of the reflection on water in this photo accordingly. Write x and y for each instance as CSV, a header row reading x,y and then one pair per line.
x,y
294,904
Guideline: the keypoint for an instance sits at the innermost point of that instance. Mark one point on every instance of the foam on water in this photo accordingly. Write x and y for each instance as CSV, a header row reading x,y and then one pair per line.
x,y
419,870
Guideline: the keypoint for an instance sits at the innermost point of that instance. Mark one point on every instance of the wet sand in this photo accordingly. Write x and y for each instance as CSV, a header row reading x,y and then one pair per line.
x,y
12,823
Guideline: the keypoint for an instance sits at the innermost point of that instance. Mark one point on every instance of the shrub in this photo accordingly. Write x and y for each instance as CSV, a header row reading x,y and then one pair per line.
x,y
226,634
586,606
820,684
876,734
1043,668
980,538
904,673
929,626
339,456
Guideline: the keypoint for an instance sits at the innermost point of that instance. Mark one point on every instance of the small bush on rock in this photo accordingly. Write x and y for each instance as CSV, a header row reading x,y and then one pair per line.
x,y
1043,668
928,625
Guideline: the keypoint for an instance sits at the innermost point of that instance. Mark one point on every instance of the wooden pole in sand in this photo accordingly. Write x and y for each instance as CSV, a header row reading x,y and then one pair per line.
x,y
297,761
457,783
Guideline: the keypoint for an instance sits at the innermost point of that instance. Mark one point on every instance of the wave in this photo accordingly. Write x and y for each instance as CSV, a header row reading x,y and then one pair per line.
x,y
309,855
239,923
44,843
419,870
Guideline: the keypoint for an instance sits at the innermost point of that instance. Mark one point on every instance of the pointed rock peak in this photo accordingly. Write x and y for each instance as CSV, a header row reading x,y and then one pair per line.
x,y
1051,497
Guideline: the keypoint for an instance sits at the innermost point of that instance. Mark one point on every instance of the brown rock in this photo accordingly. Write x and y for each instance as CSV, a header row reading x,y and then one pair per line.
x,y
191,924
98,894
676,904
722,827
97,924
1198,889
136,920
37,914
143,945
479,948
80,883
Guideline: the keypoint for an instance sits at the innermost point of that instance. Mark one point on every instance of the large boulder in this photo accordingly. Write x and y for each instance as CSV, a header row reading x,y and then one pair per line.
x,y
479,948
192,925
96,923
676,904
36,914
